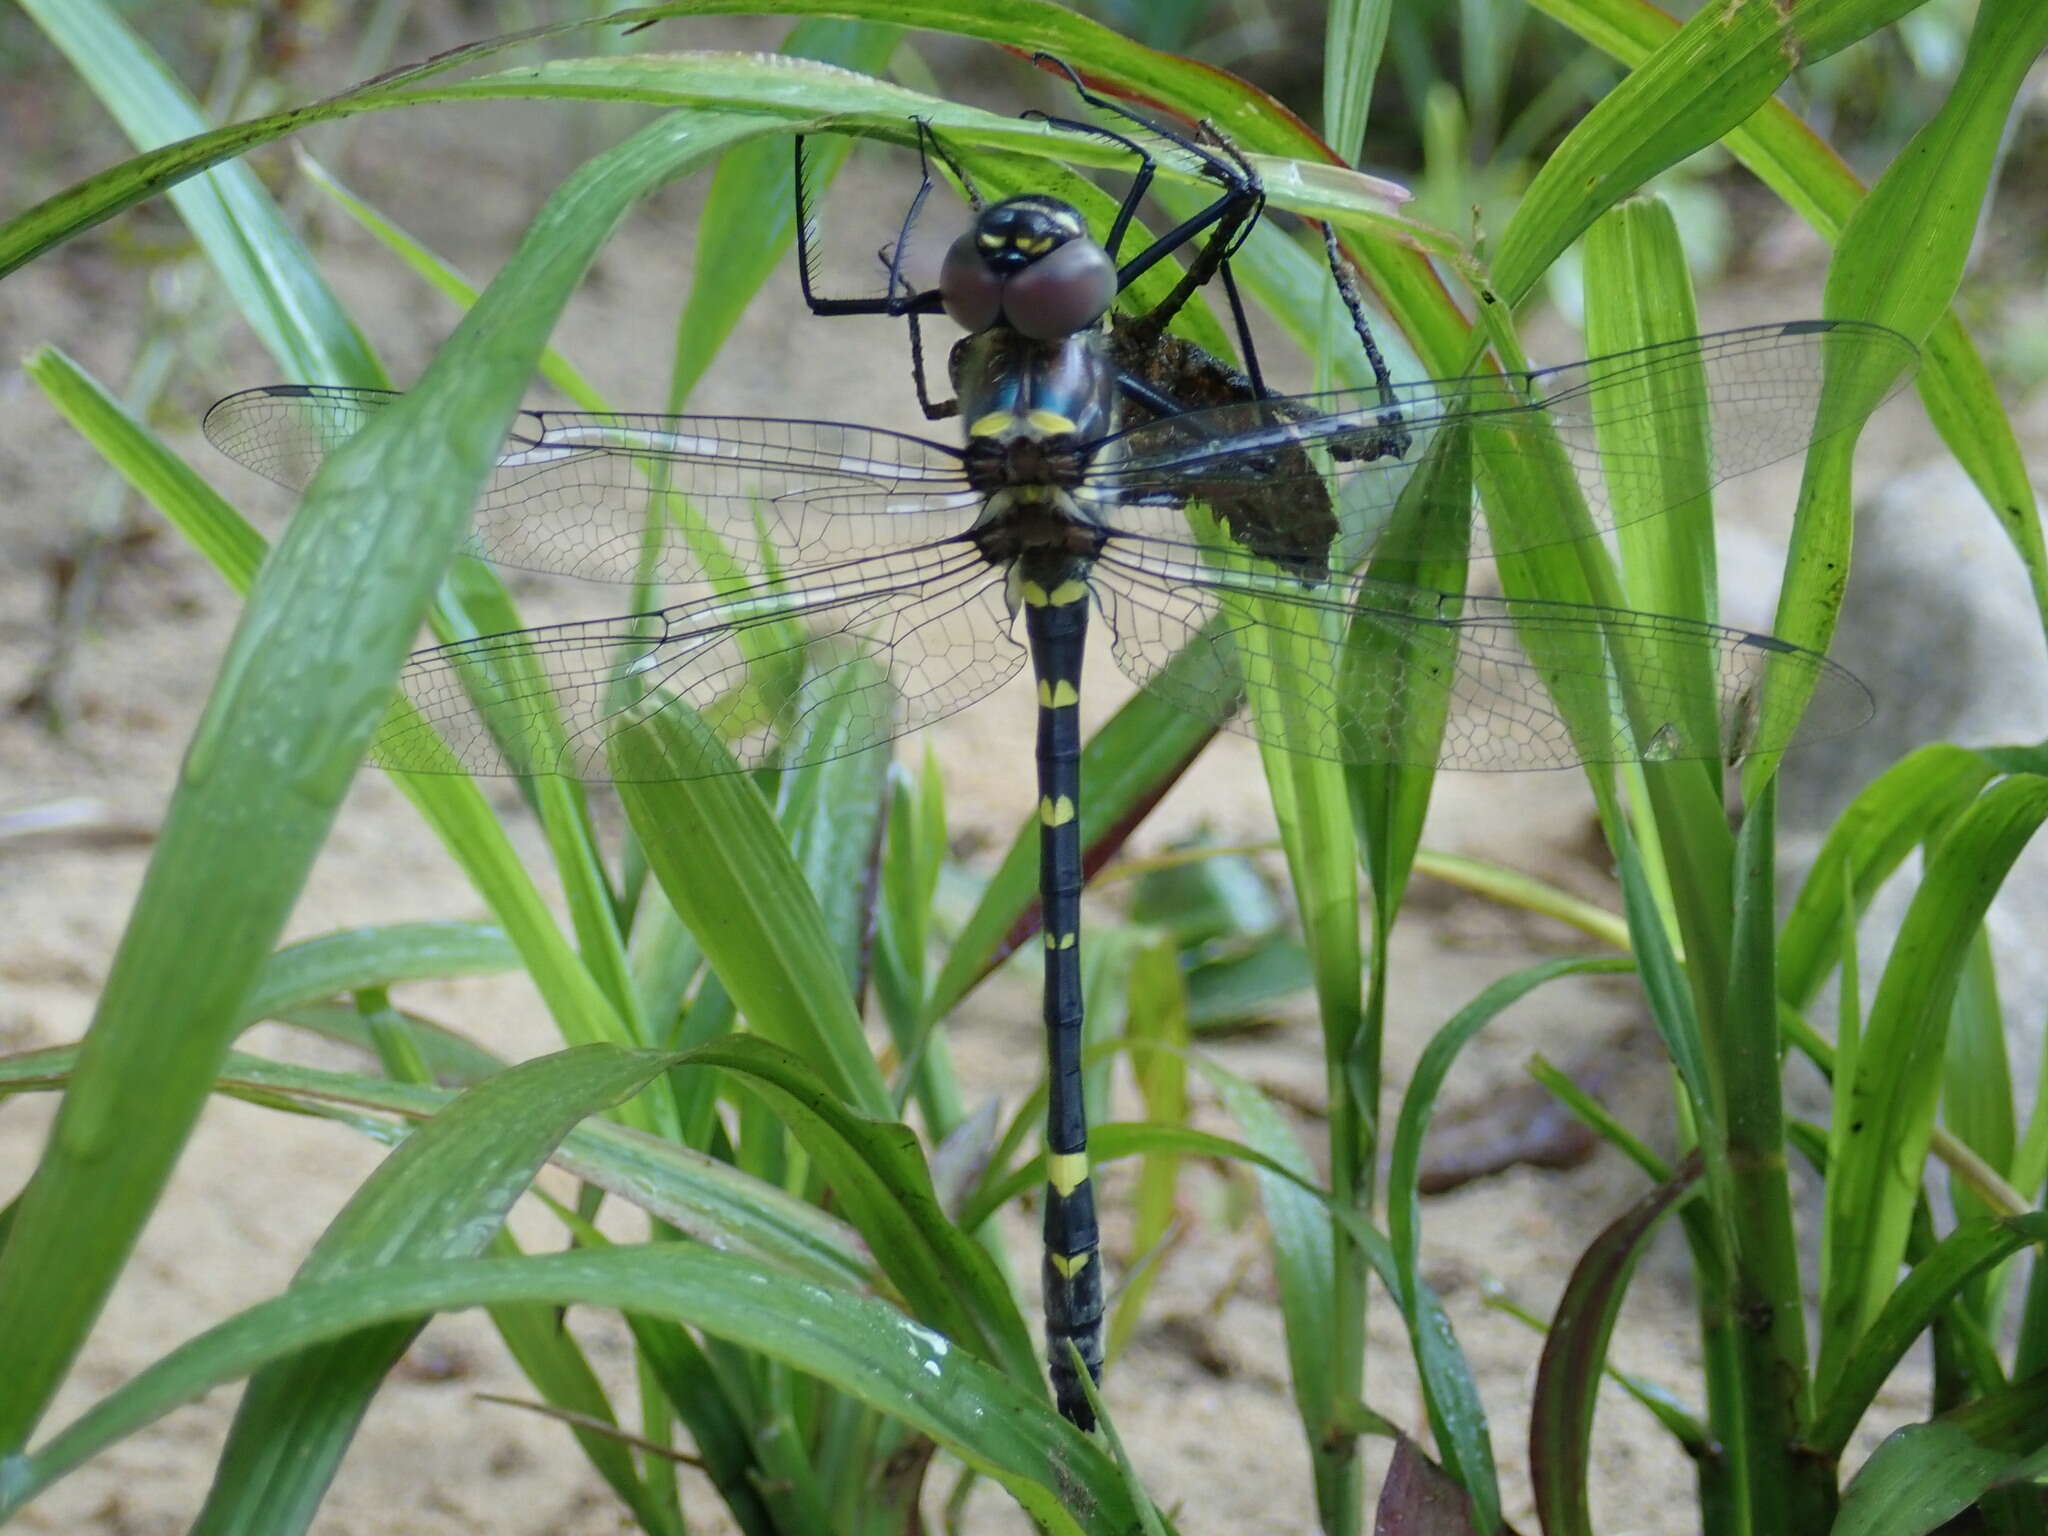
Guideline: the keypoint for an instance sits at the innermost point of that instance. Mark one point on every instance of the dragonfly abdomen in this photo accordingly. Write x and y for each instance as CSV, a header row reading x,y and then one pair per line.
x,y
1055,621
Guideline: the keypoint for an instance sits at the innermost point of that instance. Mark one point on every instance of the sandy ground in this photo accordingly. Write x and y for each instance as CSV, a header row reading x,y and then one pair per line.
x,y
1201,1397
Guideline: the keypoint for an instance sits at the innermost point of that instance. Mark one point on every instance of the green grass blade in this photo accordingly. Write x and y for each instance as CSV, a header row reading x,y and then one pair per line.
x,y
1786,1489
1389,802
1899,262
1466,1448
549,1357
710,1201
306,679
449,1058
1311,803
1874,1185
1892,816
451,802
316,969
1713,73
1669,996
831,810
1977,1092
793,92
880,1179
1813,180
1925,1475
438,273
1354,36
1639,293
865,1348
729,871
1158,1018
1931,1286
442,1194
1303,1254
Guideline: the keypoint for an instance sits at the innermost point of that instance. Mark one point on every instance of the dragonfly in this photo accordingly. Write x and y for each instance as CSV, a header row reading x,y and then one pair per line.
x,y
811,555
1229,551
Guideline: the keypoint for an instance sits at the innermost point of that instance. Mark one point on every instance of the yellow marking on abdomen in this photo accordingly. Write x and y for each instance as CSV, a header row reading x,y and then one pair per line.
x,y
1070,1264
1066,592
1059,941
1052,423
1066,1171
1056,813
1034,594
1059,695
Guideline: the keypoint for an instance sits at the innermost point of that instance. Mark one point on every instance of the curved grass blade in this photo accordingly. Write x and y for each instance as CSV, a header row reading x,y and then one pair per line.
x,y
1710,75
442,1194
747,224
1813,180
1890,1097
1893,815
862,1347
790,94
710,1201
1932,1285
880,1178
314,970
1899,261
1561,1412
732,876
1925,1475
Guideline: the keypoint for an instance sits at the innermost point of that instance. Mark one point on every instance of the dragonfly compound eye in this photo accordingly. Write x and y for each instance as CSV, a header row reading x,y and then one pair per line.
x,y
969,287
1028,263
1064,291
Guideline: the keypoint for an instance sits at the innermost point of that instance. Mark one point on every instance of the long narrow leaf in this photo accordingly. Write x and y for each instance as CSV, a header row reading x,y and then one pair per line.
x,y
1890,1101
306,680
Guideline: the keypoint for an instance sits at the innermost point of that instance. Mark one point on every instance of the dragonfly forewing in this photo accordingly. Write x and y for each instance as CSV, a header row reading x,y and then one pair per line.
x,y
1762,395
677,501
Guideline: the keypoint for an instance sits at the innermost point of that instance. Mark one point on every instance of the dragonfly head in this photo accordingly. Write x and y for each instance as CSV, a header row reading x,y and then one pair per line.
x,y
1028,263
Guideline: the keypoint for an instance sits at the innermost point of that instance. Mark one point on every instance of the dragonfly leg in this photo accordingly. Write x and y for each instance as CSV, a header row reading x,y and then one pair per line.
x,y
1228,220
1347,290
900,298
934,410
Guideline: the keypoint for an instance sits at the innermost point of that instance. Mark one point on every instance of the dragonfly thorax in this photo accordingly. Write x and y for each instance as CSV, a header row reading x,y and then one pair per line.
x,y
1045,534
1035,411
1029,265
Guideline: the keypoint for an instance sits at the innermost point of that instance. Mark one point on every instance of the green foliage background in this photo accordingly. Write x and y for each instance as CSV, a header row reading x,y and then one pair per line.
x,y
806,1310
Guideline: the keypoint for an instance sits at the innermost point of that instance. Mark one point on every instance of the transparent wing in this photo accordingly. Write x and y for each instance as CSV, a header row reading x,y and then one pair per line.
x,y
897,645
1311,481
1519,683
676,500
